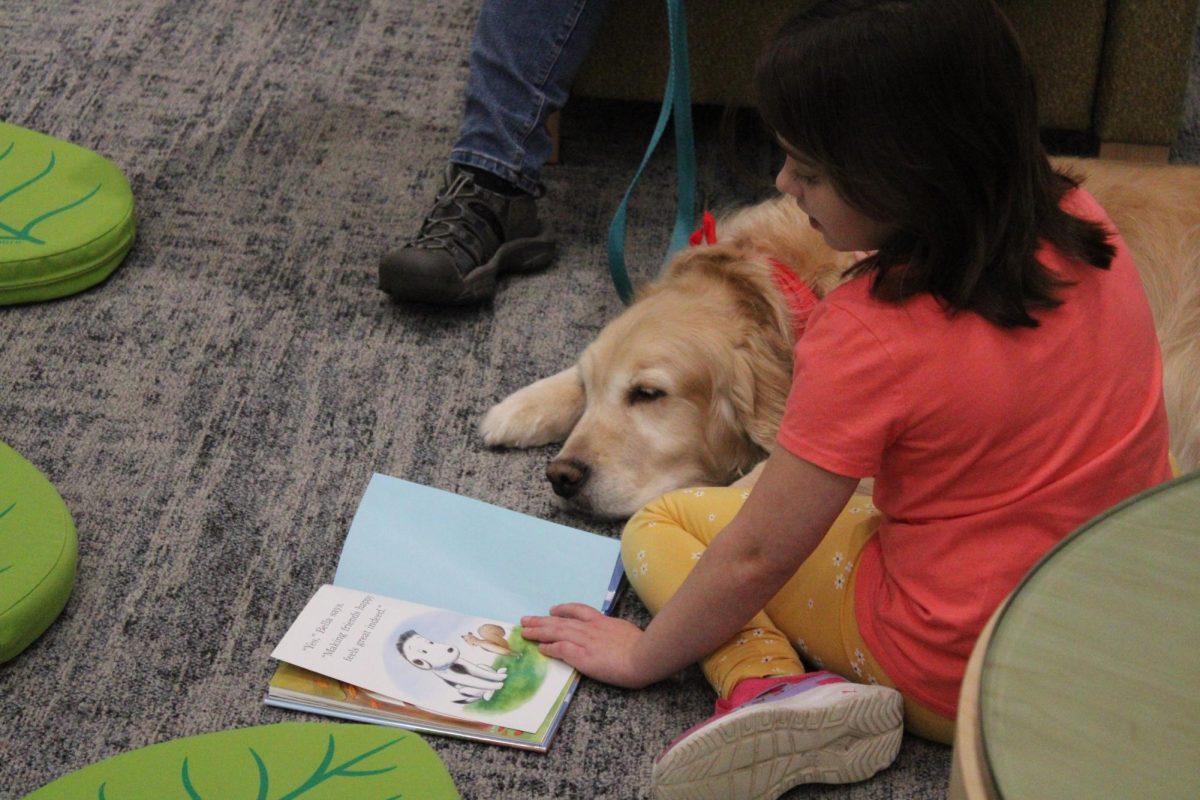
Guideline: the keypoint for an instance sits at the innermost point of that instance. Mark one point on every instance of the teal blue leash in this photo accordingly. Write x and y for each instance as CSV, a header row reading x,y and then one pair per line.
x,y
677,100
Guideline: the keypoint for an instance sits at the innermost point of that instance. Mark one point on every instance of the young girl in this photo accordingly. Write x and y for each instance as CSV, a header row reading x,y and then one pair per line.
x,y
992,362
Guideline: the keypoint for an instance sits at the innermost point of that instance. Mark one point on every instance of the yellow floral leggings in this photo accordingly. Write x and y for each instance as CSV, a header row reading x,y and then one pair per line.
x,y
812,616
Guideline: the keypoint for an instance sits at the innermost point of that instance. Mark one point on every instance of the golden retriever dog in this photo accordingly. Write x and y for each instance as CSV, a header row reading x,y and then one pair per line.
x,y
687,386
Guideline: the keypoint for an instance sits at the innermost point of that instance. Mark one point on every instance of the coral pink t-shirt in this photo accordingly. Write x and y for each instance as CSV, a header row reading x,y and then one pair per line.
x,y
988,445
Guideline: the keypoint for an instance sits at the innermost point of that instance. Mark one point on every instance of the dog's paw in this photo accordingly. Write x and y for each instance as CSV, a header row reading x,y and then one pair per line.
x,y
513,423
541,413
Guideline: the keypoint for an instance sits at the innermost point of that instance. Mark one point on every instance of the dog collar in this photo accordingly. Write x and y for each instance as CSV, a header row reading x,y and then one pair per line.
x,y
800,297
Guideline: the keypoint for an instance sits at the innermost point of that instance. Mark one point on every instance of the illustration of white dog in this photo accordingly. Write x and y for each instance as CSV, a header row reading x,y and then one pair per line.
x,y
472,681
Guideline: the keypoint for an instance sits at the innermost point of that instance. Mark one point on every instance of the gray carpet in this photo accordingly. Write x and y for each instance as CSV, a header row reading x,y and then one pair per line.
x,y
212,413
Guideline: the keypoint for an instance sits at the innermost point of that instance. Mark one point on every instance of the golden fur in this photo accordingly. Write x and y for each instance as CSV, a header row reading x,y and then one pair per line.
x,y
687,386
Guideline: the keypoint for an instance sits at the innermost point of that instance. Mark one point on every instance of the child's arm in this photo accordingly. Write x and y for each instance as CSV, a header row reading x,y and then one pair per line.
x,y
787,514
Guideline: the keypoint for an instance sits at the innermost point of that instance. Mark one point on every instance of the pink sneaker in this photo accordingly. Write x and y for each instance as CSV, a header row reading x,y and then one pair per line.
x,y
816,728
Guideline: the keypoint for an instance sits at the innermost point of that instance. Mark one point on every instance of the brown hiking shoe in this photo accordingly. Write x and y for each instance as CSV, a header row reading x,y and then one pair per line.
x,y
470,237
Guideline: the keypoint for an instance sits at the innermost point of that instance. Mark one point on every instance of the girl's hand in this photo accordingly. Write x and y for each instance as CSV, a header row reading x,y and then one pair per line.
x,y
597,645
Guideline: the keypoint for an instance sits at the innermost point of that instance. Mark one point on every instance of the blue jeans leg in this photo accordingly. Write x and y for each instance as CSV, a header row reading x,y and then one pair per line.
x,y
523,58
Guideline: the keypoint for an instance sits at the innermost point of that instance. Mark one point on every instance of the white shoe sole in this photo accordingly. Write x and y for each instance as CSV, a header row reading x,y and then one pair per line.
x,y
758,752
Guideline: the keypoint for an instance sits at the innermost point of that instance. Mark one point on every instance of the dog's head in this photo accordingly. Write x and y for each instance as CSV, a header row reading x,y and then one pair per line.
x,y
685,388
688,385
424,653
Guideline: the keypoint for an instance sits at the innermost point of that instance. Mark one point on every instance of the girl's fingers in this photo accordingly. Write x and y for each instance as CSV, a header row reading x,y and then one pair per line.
x,y
560,650
543,629
559,615
578,611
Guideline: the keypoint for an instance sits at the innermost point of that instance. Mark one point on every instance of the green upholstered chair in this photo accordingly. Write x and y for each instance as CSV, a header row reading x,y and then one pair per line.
x,y
1114,70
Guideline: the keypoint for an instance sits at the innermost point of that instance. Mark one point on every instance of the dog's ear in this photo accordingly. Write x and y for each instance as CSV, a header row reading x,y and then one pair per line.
x,y
763,359
761,369
760,392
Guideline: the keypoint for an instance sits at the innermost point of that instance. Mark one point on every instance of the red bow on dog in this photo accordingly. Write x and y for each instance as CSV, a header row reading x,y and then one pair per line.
x,y
706,233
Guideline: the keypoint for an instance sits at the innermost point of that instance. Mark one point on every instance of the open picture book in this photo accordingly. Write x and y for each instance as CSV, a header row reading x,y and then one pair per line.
x,y
420,627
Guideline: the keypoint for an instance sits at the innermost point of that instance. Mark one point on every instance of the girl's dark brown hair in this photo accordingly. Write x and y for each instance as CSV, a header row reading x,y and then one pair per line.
x,y
923,114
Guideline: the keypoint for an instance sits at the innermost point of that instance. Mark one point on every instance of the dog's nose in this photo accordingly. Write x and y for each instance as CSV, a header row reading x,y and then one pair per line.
x,y
567,476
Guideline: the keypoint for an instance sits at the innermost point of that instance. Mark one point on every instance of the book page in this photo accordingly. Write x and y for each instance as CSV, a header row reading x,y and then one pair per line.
x,y
445,550
466,667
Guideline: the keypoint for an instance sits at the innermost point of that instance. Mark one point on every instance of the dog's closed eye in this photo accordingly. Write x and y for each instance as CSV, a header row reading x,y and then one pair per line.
x,y
645,394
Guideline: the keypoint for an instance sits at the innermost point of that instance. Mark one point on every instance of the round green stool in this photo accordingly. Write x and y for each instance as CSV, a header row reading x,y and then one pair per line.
x,y
37,553
1086,685
293,760
66,217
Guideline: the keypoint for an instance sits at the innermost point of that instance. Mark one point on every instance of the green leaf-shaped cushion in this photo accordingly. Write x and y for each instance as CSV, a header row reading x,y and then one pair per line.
x,y
37,553
66,217
293,760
